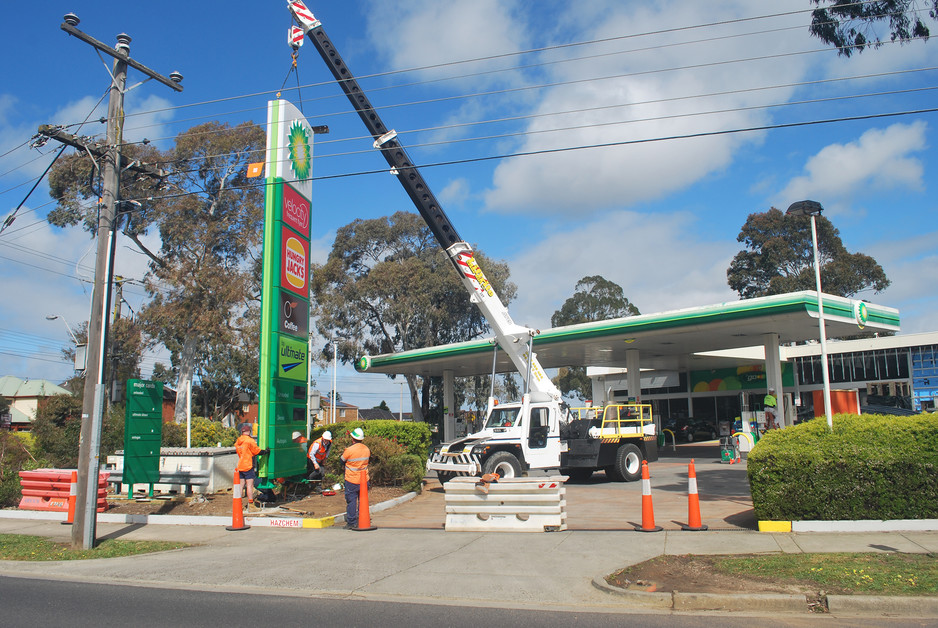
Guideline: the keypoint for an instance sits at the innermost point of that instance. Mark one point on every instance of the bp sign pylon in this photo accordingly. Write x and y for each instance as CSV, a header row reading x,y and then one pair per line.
x,y
284,359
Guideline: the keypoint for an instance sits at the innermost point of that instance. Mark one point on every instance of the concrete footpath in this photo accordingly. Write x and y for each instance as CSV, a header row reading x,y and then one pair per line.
x,y
411,558
558,570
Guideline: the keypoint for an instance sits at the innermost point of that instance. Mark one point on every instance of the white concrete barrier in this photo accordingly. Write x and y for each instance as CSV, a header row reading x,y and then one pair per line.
x,y
510,505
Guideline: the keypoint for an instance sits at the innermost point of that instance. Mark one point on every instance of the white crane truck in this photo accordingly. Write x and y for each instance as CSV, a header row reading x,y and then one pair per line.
x,y
540,431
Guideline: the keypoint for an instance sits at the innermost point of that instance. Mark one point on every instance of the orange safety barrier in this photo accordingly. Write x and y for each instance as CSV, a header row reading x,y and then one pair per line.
x,y
364,511
648,511
237,516
693,501
49,489
72,499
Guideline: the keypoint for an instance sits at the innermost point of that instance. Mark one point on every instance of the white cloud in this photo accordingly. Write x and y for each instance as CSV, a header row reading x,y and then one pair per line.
x,y
428,33
881,159
147,118
627,248
456,192
648,100
38,269
912,265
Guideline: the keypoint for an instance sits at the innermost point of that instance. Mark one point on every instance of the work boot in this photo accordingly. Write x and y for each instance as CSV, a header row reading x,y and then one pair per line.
x,y
252,507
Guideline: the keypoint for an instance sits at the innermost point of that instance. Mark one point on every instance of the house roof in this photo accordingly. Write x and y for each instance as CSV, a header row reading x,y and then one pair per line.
x,y
14,388
375,414
339,404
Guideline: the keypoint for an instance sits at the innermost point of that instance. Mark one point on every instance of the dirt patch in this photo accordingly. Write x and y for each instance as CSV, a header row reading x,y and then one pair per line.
x,y
698,574
300,503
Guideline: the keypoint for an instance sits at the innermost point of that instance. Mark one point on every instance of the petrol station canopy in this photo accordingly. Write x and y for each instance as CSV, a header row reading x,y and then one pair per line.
x,y
708,337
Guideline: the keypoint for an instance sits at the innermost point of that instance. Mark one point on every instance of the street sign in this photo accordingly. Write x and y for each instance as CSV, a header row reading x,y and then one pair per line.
x,y
143,433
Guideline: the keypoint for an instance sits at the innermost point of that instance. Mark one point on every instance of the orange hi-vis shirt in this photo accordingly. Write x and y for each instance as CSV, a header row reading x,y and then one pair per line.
x,y
319,450
246,448
355,458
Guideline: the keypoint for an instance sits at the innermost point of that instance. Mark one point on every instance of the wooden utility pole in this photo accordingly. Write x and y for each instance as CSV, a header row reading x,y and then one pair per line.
x,y
92,411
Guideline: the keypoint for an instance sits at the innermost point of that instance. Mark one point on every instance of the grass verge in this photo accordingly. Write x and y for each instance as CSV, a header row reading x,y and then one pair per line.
x,y
866,573
845,573
37,548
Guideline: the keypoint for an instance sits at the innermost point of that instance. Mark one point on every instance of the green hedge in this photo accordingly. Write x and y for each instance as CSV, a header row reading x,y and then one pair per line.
x,y
398,451
414,437
868,467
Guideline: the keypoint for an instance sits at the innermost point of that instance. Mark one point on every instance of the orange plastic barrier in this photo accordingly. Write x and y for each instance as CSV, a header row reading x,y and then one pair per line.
x,y
48,489
72,499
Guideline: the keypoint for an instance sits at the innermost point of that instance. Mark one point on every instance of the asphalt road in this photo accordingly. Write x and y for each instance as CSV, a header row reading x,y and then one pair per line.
x,y
34,602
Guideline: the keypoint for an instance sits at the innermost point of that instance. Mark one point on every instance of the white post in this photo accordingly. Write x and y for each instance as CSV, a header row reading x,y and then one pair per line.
x,y
400,414
335,363
823,331
189,414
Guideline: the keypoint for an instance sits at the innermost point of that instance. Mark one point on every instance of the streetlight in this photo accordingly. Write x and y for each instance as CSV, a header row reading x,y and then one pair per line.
x,y
814,209
80,354
52,317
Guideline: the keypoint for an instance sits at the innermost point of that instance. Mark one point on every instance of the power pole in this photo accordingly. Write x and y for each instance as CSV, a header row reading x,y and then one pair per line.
x,y
83,529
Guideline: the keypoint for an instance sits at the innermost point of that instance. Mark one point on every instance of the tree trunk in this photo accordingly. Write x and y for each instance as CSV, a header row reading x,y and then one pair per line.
x,y
417,411
186,369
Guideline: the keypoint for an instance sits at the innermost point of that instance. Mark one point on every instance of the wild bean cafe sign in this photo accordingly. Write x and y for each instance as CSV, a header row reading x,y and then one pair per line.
x,y
285,292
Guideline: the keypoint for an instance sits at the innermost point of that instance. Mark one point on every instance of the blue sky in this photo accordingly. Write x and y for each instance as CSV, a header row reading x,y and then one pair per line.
x,y
660,218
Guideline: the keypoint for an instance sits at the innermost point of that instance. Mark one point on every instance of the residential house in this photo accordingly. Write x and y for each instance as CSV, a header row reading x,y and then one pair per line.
x,y
25,397
344,412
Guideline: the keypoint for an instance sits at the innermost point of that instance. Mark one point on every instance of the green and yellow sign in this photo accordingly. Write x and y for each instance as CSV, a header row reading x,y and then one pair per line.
x,y
750,377
284,366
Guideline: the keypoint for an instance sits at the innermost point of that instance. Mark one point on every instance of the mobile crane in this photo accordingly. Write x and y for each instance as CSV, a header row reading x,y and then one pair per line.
x,y
540,431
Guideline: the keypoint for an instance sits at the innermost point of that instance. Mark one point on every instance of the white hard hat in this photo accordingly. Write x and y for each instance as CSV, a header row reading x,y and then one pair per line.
x,y
296,435
327,435
358,434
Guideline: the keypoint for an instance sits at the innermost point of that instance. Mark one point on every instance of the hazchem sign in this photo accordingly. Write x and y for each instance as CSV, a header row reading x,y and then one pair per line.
x,y
285,293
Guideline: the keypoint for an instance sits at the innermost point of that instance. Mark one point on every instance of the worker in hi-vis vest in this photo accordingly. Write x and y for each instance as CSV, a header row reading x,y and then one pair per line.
x,y
770,404
246,448
316,456
355,458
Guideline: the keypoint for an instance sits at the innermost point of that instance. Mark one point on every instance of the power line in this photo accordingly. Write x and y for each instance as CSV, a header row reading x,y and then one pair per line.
x,y
468,160
542,49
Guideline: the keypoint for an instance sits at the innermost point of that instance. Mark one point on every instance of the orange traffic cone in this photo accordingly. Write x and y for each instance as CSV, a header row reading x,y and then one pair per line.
x,y
364,512
693,501
648,511
72,498
237,517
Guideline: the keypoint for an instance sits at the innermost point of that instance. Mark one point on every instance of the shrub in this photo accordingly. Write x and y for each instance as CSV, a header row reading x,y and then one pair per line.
x,y
174,434
57,428
209,433
414,437
14,456
203,433
392,462
868,467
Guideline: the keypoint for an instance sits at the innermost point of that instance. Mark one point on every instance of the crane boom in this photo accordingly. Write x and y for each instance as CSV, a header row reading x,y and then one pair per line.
x,y
512,338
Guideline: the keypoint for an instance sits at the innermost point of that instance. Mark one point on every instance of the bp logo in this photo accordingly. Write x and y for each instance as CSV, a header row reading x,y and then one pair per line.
x,y
301,159
861,314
